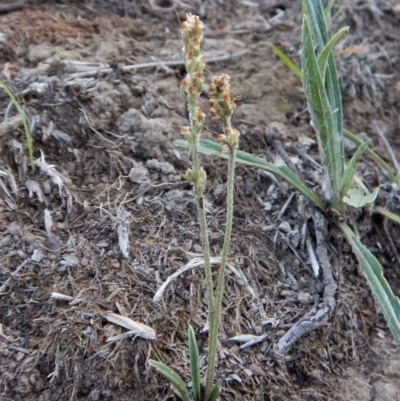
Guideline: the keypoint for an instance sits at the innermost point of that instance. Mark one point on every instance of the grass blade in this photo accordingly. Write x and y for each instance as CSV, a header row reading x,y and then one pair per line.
x,y
211,148
179,385
351,168
284,58
329,140
194,364
24,122
372,269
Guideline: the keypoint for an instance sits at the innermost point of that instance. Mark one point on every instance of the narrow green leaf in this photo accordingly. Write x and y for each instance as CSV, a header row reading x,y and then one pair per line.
x,y
351,168
323,57
373,155
194,364
303,7
329,139
179,385
319,29
328,8
372,269
358,199
397,178
384,212
24,123
214,395
211,148
291,178
337,13
284,58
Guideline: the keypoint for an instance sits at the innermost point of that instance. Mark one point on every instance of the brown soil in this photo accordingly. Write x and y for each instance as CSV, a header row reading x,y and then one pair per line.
x,y
108,164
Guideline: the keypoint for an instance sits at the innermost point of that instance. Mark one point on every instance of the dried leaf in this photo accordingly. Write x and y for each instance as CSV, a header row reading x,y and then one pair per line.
x,y
138,329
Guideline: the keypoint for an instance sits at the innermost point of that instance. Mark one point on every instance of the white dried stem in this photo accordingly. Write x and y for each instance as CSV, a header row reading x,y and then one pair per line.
x,y
14,274
195,262
137,329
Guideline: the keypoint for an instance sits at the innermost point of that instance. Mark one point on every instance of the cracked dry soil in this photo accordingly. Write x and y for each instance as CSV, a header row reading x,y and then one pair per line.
x,y
103,140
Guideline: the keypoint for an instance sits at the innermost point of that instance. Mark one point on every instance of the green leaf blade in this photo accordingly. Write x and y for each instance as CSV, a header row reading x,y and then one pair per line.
x,y
372,269
351,168
215,393
323,57
319,29
373,155
194,364
358,199
211,148
329,139
388,214
169,374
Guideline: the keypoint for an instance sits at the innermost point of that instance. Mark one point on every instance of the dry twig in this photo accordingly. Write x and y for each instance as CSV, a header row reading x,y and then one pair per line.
x,y
127,68
319,315
13,275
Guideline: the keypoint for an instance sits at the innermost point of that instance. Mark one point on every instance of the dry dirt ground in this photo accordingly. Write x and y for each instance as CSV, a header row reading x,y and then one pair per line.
x,y
107,166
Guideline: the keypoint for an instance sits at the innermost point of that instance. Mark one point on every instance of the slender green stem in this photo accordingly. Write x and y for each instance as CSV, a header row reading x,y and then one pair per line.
x,y
214,325
206,253
199,190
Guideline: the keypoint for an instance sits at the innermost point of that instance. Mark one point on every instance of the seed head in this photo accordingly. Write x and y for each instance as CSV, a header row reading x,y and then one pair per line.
x,y
230,138
199,115
221,104
192,33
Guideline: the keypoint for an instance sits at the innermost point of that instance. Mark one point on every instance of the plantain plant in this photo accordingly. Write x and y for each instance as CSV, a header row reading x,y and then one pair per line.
x,y
221,108
322,91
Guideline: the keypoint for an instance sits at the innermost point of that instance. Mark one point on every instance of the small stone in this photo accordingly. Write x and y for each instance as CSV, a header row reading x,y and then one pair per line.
x,y
287,293
317,373
70,260
162,167
20,356
267,206
94,395
254,310
305,298
138,174
285,226
52,244
40,52
197,249
37,256
338,355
